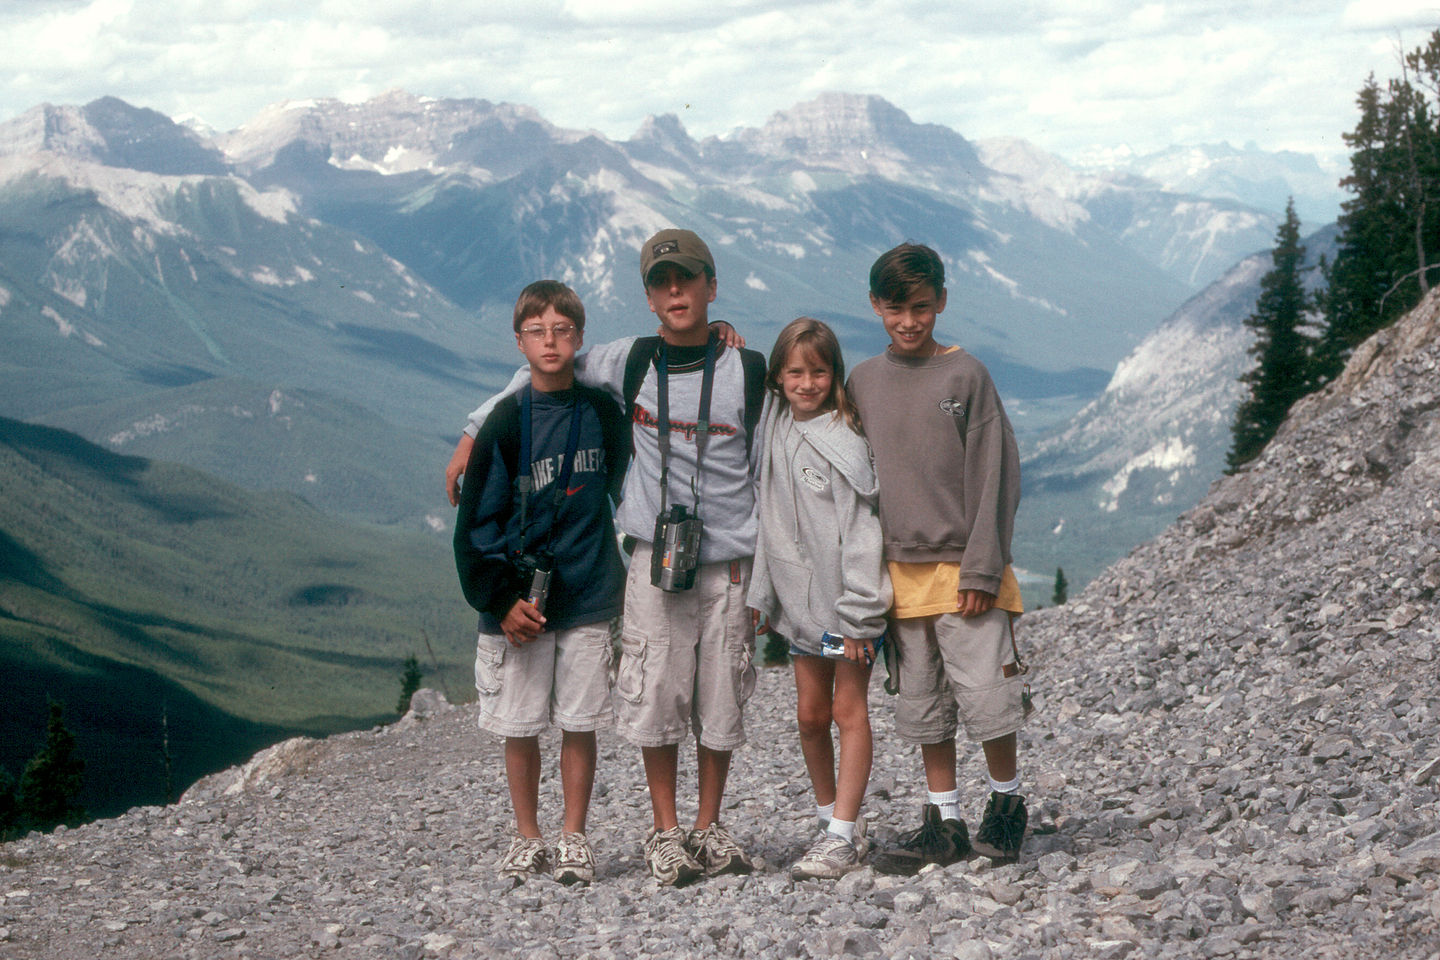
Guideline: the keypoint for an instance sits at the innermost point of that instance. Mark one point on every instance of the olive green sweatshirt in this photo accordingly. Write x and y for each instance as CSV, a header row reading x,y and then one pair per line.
x,y
946,461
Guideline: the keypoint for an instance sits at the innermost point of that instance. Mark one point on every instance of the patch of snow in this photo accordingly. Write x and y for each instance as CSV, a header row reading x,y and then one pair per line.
x,y
4,297
268,277
436,523
276,205
755,283
1169,454
66,328
365,295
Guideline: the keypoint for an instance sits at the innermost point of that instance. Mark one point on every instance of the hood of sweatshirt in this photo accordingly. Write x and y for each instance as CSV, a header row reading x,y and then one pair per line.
x,y
843,449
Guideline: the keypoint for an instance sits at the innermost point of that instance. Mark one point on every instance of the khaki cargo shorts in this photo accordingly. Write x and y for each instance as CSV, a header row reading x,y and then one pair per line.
x,y
954,667
561,677
686,659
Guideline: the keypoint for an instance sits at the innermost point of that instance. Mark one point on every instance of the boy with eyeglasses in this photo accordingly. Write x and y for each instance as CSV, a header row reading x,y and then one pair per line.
x,y
694,401
536,552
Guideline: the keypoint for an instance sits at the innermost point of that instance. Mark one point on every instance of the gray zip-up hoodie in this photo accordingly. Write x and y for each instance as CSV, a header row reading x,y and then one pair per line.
x,y
819,561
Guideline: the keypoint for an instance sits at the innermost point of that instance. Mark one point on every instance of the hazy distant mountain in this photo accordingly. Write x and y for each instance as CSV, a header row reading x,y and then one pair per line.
x,y
1258,178
1149,447
157,285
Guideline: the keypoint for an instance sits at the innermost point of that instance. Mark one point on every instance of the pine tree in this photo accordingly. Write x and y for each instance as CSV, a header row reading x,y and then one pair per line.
x,y
1062,588
1390,228
409,683
9,808
52,778
1281,348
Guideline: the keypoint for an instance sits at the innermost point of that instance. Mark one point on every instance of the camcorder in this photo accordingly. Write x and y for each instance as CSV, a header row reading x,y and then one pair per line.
x,y
676,550
536,571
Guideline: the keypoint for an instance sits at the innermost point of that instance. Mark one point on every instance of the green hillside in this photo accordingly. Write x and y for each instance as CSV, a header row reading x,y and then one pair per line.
x,y
133,588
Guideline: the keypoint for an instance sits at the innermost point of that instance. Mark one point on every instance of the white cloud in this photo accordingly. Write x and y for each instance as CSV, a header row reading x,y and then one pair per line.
x,y
1065,74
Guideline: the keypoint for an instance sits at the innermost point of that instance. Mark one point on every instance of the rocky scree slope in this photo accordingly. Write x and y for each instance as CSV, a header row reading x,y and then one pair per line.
x,y
1236,755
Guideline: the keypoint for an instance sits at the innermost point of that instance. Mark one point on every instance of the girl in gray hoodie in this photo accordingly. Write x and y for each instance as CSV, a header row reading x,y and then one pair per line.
x,y
819,570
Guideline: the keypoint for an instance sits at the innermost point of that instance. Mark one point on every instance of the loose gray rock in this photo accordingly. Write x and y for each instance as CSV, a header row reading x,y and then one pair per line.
x,y
1235,755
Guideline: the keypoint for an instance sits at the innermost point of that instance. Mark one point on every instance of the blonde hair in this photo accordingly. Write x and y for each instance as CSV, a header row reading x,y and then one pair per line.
x,y
814,337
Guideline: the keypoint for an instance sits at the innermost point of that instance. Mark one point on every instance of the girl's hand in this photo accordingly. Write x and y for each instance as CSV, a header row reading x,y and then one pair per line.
x,y
860,651
758,621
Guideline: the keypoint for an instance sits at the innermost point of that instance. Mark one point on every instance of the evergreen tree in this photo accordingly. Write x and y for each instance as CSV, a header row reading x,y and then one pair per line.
x,y
409,683
1390,228
1281,348
52,778
1062,588
9,809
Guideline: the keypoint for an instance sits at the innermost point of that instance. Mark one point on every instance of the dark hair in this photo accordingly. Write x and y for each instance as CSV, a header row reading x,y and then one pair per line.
x,y
898,273
811,335
541,295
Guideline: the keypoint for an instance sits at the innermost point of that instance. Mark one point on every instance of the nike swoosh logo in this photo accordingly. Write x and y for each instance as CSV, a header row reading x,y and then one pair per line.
x,y
571,491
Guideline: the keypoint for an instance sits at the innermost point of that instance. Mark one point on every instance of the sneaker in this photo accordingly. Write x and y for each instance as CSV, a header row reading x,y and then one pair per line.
x,y
574,859
829,858
526,855
718,851
667,858
934,841
1002,828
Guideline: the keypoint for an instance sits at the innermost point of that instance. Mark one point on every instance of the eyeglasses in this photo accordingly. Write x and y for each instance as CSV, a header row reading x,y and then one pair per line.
x,y
561,331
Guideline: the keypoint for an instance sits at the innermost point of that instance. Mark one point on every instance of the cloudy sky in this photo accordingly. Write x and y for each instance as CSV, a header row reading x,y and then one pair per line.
x,y
1069,75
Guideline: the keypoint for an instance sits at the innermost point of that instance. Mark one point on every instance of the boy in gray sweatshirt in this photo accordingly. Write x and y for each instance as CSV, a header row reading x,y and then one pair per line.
x,y
949,476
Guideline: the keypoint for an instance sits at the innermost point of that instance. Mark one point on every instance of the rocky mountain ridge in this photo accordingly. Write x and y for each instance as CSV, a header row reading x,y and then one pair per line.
x,y
1235,754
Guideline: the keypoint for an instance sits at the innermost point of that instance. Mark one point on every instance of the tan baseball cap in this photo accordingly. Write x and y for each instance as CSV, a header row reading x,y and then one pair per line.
x,y
681,247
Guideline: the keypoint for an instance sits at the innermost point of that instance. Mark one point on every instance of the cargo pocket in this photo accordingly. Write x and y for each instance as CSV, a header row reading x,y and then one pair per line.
x,y
630,675
489,664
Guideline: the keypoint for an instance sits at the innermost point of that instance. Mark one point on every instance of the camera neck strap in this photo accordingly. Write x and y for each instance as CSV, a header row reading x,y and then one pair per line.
x,y
525,483
702,422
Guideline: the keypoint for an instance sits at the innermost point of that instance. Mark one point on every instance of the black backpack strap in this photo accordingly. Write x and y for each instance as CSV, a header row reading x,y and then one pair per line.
x,y
637,363
755,369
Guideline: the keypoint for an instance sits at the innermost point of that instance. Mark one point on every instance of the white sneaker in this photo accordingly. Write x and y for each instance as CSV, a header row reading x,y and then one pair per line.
x,y
526,855
668,860
574,859
717,850
829,858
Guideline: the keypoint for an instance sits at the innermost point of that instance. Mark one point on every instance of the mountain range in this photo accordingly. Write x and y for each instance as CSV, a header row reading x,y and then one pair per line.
x,y
159,284
309,304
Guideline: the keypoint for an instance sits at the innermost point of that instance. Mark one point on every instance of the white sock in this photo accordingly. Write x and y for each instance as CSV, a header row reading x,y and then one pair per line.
x,y
1012,786
842,828
825,813
948,802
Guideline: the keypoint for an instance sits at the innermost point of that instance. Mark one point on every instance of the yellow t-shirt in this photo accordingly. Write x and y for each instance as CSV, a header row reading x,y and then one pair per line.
x,y
925,589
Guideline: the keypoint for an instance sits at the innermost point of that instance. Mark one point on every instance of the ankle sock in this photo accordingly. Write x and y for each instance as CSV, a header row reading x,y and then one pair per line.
x,y
948,802
842,828
1012,786
825,813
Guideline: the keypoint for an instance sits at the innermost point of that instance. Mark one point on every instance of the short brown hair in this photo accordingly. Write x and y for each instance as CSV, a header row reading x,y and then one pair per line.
x,y
541,295
898,273
811,335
